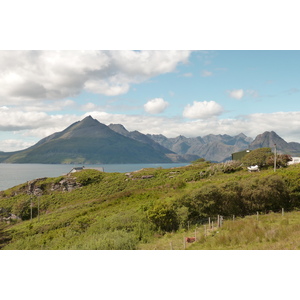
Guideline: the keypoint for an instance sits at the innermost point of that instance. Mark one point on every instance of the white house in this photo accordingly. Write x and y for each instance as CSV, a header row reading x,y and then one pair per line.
x,y
78,169
296,160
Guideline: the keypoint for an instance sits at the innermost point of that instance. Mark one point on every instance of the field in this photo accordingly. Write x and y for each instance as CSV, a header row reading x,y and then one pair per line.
x,y
155,209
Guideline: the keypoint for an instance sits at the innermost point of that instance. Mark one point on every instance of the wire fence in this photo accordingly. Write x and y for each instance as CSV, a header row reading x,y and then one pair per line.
x,y
204,227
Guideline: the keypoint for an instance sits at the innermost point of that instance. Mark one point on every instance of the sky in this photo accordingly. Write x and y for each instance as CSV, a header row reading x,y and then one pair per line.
x,y
169,92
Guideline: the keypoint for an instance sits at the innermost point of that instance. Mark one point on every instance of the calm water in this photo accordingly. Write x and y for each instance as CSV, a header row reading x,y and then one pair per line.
x,y
14,174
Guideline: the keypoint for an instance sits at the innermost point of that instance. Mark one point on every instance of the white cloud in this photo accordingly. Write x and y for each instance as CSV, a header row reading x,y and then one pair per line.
x,y
13,145
202,110
53,75
206,73
156,106
236,94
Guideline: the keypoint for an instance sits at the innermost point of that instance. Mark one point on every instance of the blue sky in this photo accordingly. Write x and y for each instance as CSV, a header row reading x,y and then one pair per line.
x,y
190,93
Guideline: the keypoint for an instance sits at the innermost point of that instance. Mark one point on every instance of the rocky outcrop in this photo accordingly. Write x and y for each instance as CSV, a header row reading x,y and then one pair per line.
x,y
38,187
67,184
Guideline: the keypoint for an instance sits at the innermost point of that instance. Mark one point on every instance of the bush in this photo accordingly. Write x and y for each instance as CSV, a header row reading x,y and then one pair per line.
x,y
22,209
86,177
164,217
257,157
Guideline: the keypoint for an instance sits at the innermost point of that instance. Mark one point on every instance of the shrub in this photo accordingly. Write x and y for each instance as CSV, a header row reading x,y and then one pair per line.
x,y
257,157
164,217
86,177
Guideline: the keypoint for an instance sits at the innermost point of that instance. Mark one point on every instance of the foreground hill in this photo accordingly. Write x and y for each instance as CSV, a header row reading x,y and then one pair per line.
x,y
141,210
90,142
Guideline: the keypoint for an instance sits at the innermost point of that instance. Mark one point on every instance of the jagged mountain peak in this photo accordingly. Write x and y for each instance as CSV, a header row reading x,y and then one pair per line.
x,y
269,139
119,128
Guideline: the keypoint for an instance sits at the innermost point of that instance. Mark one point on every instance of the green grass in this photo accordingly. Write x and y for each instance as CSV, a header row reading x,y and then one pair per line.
x,y
114,211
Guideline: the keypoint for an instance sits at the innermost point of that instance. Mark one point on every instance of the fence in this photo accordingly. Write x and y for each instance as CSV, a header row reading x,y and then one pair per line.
x,y
206,226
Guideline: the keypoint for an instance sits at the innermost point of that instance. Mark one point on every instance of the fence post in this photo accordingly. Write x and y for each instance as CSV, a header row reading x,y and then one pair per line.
x,y
233,217
30,208
184,241
209,222
282,211
39,208
218,220
257,215
212,225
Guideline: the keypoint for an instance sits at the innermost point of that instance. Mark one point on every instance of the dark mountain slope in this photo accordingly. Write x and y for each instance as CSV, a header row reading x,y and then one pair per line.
x,y
88,141
269,139
211,147
175,156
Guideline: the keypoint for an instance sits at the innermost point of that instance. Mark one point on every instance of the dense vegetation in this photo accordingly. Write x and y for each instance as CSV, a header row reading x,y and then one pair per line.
x,y
138,210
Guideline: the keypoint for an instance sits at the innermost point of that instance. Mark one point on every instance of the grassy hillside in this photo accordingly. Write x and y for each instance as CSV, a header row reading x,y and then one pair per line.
x,y
153,209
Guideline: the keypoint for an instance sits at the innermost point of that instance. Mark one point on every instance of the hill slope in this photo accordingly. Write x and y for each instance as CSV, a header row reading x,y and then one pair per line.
x,y
96,210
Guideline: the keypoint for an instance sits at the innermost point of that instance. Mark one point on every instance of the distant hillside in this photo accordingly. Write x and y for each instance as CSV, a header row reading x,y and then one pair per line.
x,y
218,148
90,142
175,156
215,148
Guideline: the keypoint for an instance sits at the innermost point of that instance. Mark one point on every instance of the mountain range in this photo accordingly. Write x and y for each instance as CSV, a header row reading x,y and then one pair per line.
x,y
91,142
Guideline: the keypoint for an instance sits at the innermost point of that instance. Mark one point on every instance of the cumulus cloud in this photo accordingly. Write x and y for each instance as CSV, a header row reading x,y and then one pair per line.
x,y
236,94
206,73
156,106
202,110
53,75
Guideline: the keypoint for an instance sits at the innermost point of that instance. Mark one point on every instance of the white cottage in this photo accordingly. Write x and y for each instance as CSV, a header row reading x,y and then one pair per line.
x,y
295,160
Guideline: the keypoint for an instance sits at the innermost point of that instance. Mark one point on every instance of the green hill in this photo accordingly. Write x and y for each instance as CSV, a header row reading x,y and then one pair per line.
x,y
151,209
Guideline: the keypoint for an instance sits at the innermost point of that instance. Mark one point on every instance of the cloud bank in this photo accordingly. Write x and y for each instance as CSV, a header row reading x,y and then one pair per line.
x,y
52,75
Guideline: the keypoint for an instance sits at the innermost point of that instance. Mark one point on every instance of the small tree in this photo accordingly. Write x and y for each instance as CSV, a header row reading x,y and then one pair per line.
x,y
257,157
164,217
281,160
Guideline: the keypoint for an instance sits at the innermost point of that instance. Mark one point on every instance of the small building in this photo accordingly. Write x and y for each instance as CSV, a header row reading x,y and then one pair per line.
x,y
78,169
239,155
295,160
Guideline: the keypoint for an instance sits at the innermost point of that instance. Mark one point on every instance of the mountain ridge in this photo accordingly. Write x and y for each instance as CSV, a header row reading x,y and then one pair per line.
x,y
90,142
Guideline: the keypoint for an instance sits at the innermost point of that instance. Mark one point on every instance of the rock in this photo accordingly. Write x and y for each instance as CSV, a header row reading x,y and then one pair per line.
x,y
147,176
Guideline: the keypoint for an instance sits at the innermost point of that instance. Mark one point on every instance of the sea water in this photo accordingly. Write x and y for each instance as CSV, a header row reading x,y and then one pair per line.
x,y
14,174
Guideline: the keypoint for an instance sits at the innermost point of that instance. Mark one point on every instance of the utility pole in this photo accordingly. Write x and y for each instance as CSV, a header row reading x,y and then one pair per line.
x,y
275,156
30,208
